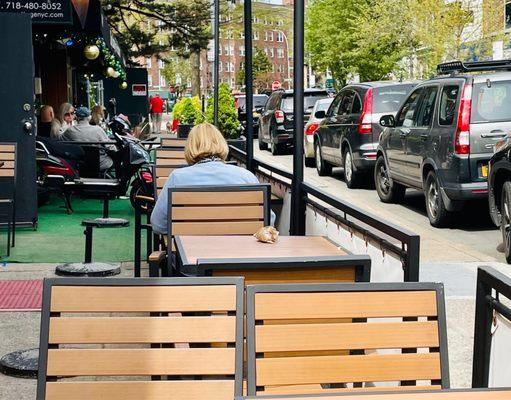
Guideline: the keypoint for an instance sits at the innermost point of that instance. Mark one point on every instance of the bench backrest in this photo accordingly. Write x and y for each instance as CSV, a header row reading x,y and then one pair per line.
x,y
218,210
8,157
170,156
144,341
292,331
302,270
173,142
161,174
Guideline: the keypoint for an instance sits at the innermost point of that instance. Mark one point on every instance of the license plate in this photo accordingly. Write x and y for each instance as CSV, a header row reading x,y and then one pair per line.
x,y
484,171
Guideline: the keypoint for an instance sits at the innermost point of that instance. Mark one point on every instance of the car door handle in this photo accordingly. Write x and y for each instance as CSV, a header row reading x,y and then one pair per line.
x,y
497,133
404,134
424,136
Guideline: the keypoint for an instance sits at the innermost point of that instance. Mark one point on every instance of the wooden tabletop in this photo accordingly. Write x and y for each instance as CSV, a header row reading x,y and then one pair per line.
x,y
465,394
193,248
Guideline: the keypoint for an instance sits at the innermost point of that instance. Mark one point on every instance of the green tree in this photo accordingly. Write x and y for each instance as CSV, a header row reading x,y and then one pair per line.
x,y
227,114
261,66
178,72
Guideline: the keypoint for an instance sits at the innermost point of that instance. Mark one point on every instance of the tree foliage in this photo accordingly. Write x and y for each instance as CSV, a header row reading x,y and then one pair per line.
x,y
228,122
151,27
178,73
261,67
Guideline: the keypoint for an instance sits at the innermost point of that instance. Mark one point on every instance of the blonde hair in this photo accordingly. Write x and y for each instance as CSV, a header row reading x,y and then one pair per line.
x,y
97,115
205,141
63,110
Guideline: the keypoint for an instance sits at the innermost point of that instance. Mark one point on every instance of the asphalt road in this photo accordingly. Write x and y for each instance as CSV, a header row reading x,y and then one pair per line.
x,y
472,236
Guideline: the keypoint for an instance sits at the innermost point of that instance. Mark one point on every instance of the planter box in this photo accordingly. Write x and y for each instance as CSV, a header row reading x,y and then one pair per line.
x,y
183,130
240,143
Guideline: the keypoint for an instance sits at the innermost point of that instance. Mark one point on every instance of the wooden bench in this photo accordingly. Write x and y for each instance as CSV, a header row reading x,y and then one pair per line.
x,y
293,332
170,156
137,349
8,172
213,210
173,142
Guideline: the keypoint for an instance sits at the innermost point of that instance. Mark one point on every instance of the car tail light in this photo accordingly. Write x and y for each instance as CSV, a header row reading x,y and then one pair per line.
x,y
462,138
279,116
237,103
147,177
311,129
365,125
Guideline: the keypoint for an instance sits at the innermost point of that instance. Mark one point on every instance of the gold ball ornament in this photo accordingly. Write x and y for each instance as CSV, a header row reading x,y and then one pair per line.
x,y
91,52
124,85
110,72
116,74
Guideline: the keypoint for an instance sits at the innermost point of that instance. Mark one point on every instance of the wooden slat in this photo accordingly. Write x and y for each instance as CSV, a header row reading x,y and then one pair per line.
x,y
142,330
217,213
141,390
363,368
7,165
303,337
313,389
144,362
167,162
295,275
345,305
216,228
219,198
173,142
6,156
7,148
160,182
6,172
143,298
172,154
468,394
164,172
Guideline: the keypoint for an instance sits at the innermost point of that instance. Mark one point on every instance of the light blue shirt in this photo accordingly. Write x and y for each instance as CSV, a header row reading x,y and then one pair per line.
x,y
209,173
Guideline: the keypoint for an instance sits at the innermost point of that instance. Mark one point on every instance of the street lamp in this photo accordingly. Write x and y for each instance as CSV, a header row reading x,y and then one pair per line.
x,y
287,56
216,34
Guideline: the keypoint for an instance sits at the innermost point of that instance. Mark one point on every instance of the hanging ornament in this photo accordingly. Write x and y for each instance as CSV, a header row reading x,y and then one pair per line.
x,y
81,8
123,85
110,72
116,74
91,52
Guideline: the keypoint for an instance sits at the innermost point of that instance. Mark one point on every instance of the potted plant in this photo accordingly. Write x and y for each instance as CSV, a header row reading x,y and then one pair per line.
x,y
228,122
188,112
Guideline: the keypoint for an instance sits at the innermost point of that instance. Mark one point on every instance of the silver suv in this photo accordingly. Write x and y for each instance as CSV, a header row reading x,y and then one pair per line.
x,y
443,136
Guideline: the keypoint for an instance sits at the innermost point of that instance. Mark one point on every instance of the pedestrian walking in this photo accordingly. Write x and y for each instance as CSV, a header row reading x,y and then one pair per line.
x,y
156,107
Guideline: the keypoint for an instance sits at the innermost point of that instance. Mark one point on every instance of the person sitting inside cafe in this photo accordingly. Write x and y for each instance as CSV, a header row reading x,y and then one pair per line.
x,y
46,117
64,119
83,131
206,151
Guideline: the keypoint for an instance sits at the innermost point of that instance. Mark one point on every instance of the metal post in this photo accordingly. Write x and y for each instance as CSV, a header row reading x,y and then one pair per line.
x,y
297,200
88,244
249,133
216,34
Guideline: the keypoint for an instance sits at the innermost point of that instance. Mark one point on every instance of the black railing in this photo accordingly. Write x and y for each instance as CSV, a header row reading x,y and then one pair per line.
x,y
490,285
390,237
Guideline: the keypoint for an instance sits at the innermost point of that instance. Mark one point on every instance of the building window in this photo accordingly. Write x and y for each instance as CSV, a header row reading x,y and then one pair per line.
x,y
273,68
226,50
220,69
219,50
280,53
280,36
148,62
242,50
508,15
242,35
161,64
150,80
280,22
265,36
270,36
230,34
255,35
162,81
231,50
272,53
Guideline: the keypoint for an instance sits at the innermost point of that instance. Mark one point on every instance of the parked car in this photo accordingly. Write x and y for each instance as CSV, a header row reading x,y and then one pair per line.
x,y
276,120
258,102
444,135
499,191
310,127
348,135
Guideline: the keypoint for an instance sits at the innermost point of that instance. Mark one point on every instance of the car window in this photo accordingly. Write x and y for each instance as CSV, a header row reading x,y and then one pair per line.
x,y
491,102
357,105
308,102
346,102
332,111
408,114
387,99
427,108
322,105
260,100
447,108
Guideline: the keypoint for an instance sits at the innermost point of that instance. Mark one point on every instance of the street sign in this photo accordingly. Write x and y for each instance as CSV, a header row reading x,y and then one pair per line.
x,y
139,89
275,85
41,11
329,84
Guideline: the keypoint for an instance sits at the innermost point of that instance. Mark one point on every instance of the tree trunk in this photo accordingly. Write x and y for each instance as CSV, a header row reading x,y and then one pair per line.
x,y
195,61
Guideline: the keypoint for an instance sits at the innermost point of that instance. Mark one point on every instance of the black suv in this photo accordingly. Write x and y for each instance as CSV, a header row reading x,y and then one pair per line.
x,y
444,135
348,135
276,120
258,102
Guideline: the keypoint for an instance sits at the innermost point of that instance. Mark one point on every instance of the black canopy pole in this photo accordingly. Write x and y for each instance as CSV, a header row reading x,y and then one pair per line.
x,y
297,200
249,133
216,35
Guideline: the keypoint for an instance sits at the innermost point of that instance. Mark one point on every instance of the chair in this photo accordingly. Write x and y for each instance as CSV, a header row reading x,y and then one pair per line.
x,y
169,156
173,142
302,270
214,210
294,332
8,172
137,348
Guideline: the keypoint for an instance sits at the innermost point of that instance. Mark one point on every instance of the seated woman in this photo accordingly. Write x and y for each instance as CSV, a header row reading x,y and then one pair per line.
x,y
206,151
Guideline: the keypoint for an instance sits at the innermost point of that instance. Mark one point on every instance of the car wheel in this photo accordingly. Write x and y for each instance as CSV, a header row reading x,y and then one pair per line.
x,y
310,162
438,215
505,222
322,166
388,190
262,145
351,177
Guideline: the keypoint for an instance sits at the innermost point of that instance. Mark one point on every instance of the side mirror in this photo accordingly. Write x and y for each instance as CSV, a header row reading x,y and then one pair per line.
x,y
320,114
388,121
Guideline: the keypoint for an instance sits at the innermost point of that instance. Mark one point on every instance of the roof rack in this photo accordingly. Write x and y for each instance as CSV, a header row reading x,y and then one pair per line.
x,y
454,67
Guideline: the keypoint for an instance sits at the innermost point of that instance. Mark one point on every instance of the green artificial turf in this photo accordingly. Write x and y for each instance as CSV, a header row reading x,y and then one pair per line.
x,y
59,237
